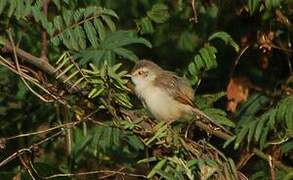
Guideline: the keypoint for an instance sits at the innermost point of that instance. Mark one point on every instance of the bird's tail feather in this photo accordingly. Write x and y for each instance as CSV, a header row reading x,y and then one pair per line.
x,y
202,115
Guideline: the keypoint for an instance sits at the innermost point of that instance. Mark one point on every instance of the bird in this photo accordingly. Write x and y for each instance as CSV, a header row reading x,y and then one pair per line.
x,y
167,96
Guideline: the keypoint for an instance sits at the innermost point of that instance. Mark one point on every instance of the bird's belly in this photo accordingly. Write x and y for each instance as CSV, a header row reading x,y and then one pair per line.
x,y
163,106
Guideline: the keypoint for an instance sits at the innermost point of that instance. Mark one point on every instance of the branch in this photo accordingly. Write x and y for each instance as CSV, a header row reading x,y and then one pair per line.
x,y
63,127
96,172
257,152
29,149
195,18
43,65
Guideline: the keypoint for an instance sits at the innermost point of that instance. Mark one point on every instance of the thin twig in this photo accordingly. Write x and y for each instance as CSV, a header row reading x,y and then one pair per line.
x,y
281,48
195,18
43,65
14,155
32,80
237,61
67,126
47,139
109,175
20,72
95,172
9,65
29,149
21,151
272,170
27,167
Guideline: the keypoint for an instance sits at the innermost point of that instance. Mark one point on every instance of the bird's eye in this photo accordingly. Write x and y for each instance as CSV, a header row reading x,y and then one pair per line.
x,y
140,72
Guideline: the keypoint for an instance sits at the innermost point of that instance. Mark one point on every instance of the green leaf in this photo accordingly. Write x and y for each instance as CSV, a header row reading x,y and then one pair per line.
x,y
126,54
289,117
2,5
213,10
252,126
287,147
165,175
270,4
147,160
19,9
229,141
219,116
192,69
57,3
67,16
58,22
80,37
272,118
205,60
253,5
157,167
109,23
159,13
259,129
12,7
86,56
116,136
2,41
161,132
284,113
123,100
91,34
199,63
72,39
135,142
145,26
96,92
80,146
186,42
123,38
226,38
240,136
109,12
254,103
21,92
263,138
288,176
100,28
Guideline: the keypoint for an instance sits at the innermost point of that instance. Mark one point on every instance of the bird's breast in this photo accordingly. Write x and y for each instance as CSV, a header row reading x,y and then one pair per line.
x,y
162,105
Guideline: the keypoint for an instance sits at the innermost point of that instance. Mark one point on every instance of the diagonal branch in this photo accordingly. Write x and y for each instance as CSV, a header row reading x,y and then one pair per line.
x,y
43,65
257,152
139,176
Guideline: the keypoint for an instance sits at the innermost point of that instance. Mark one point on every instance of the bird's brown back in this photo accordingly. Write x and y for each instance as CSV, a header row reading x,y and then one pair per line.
x,y
176,86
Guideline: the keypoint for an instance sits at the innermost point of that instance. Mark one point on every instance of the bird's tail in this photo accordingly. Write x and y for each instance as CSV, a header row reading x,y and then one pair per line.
x,y
209,120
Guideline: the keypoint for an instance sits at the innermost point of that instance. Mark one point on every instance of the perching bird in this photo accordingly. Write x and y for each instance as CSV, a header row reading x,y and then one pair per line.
x,y
167,96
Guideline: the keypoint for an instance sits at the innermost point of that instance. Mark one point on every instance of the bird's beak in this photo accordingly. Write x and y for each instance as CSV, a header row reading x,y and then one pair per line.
x,y
128,75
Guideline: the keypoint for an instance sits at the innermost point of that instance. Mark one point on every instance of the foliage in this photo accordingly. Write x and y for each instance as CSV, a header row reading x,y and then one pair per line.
x,y
72,110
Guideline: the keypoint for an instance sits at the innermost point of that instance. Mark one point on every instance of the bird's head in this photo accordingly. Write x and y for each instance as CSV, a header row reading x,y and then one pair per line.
x,y
144,72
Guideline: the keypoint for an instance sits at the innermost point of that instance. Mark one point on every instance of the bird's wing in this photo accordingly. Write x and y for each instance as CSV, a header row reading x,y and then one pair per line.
x,y
179,88
176,86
